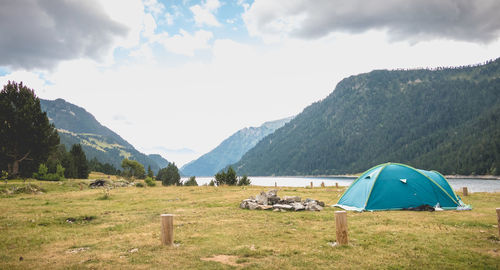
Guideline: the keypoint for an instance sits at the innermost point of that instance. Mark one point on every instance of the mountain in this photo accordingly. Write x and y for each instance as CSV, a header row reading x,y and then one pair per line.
x,y
231,149
162,163
446,119
75,125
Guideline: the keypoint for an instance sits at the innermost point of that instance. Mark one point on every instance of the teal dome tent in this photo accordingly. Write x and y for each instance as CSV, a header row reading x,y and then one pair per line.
x,y
394,186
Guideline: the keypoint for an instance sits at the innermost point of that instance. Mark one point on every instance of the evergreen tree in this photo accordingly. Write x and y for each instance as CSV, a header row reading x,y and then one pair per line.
x,y
169,175
226,178
80,161
191,181
26,136
150,172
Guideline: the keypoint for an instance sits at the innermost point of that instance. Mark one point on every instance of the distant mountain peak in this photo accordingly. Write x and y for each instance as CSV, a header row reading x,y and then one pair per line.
x,y
231,149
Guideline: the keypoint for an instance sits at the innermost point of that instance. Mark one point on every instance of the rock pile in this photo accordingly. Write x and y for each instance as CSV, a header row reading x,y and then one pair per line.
x,y
109,184
270,201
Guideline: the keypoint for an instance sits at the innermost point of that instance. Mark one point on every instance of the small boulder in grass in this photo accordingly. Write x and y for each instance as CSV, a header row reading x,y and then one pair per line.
x,y
270,201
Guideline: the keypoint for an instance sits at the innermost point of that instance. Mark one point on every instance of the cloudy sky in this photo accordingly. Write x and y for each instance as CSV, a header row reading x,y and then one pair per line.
x,y
177,77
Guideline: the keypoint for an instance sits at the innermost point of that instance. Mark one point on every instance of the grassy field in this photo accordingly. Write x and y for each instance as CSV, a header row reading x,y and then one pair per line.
x,y
69,228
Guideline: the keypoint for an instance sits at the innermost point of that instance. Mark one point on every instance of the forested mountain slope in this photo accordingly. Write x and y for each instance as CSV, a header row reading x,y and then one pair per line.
x,y
231,149
446,119
75,125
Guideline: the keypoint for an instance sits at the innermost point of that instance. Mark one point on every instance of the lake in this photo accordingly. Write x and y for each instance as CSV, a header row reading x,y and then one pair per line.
x,y
473,185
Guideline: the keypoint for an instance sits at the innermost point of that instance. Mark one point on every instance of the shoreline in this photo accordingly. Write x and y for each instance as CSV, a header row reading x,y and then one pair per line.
x,y
353,176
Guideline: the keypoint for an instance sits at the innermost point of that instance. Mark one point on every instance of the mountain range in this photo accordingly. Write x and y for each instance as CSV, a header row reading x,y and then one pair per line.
x,y
75,125
231,149
445,119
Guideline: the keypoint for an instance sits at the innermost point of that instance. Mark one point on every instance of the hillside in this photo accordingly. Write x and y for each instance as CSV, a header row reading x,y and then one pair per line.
x,y
75,125
446,119
231,149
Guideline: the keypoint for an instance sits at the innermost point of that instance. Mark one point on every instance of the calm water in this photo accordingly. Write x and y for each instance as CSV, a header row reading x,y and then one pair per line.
x,y
473,185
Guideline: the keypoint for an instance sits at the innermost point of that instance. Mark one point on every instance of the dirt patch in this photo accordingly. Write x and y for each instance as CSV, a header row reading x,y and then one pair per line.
x,y
224,259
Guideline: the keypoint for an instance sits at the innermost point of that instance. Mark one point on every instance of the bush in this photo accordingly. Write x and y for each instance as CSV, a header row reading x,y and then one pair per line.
x,y
149,182
43,174
244,181
212,183
191,181
139,184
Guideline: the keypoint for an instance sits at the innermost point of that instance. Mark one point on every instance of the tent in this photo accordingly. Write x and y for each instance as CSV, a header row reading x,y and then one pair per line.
x,y
394,186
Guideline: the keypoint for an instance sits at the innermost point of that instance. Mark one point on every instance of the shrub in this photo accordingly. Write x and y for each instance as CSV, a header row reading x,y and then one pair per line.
x,y
212,183
149,182
43,174
139,184
191,181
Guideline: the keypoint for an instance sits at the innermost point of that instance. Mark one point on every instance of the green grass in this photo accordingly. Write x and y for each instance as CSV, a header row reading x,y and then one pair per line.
x,y
104,232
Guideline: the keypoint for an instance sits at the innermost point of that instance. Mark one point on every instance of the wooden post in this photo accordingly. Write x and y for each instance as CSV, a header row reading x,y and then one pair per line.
x,y
275,184
336,184
81,186
322,184
498,219
465,192
311,184
341,227
167,229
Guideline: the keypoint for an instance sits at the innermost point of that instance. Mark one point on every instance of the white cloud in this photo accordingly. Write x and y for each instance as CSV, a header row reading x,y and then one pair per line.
x,y
186,43
154,7
204,13
149,26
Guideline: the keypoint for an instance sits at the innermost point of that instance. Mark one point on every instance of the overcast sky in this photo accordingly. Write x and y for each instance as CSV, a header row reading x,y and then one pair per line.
x,y
178,77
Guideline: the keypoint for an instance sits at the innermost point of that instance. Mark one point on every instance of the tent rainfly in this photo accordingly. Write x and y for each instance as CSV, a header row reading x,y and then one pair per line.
x,y
394,186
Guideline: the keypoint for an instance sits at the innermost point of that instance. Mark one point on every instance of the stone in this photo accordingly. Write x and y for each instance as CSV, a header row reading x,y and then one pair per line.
x,y
99,183
283,206
313,206
270,200
243,205
297,206
252,205
261,198
264,207
273,200
291,199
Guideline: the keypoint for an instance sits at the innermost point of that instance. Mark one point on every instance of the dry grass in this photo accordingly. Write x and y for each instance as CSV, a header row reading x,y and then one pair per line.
x,y
124,232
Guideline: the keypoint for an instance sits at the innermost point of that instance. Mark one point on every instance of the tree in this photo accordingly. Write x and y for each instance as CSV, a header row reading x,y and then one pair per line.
x,y
150,172
132,168
80,161
244,181
95,165
191,181
226,178
26,136
169,175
